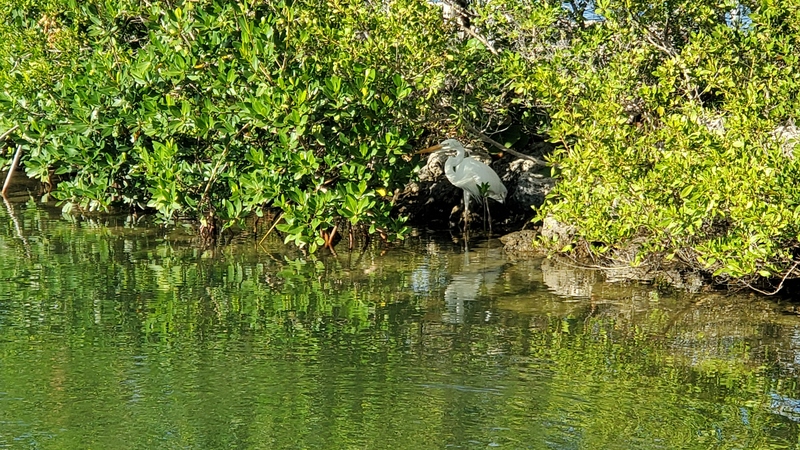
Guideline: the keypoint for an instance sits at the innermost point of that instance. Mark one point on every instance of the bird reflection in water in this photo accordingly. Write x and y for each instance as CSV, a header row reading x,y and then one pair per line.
x,y
463,279
480,271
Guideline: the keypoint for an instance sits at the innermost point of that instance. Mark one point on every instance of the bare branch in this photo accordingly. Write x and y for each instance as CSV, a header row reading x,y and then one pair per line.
x,y
502,147
11,170
470,30
780,286
482,39
8,132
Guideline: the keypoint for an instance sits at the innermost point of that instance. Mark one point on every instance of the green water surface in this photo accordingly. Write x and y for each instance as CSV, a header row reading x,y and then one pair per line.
x,y
115,335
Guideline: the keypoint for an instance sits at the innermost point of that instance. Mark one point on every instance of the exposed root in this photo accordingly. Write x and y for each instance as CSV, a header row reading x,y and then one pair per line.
x,y
328,238
208,229
274,223
780,285
11,170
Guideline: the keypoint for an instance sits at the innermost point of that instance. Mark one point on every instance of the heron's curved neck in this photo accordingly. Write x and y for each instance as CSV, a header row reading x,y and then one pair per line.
x,y
460,154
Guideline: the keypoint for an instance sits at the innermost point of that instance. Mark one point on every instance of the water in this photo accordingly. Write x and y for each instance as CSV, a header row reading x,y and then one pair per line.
x,y
123,335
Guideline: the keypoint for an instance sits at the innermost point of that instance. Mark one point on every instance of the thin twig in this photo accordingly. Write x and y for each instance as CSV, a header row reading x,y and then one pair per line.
x,y
8,132
213,176
502,147
480,38
275,222
11,170
564,143
461,11
780,286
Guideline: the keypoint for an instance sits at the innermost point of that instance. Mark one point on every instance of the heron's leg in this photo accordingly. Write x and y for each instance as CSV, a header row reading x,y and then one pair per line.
x,y
466,211
485,205
489,213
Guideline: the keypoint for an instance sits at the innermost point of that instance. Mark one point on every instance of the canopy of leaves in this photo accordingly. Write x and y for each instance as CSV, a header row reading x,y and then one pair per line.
x,y
217,109
675,121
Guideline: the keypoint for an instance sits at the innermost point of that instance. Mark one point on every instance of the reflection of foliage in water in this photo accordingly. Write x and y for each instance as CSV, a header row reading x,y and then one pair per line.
x,y
120,337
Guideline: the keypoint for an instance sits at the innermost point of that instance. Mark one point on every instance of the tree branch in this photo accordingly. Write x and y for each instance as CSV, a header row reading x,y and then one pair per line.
x,y
482,39
468,29
8,132
11,170
780,286
502,147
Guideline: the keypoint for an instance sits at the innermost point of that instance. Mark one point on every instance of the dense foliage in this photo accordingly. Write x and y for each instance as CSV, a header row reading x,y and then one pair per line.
x,y
216,109
675,121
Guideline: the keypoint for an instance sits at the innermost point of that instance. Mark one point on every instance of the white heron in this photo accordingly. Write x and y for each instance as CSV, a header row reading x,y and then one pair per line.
x,y
475,178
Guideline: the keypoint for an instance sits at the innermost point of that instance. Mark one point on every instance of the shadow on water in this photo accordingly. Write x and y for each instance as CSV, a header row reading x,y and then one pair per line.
x,y
115,334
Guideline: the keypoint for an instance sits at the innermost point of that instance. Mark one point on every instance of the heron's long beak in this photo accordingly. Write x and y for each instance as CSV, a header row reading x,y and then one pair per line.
x,y
429,149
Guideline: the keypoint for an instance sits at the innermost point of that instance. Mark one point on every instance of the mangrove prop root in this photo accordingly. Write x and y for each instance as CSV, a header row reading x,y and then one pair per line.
x,y
11,170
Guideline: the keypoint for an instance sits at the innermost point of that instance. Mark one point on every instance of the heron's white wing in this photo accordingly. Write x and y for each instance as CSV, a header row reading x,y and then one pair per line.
x,y
471,173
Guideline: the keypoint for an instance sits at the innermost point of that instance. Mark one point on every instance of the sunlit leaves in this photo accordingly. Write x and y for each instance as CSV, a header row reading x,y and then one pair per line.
x,y
694,168
215,110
